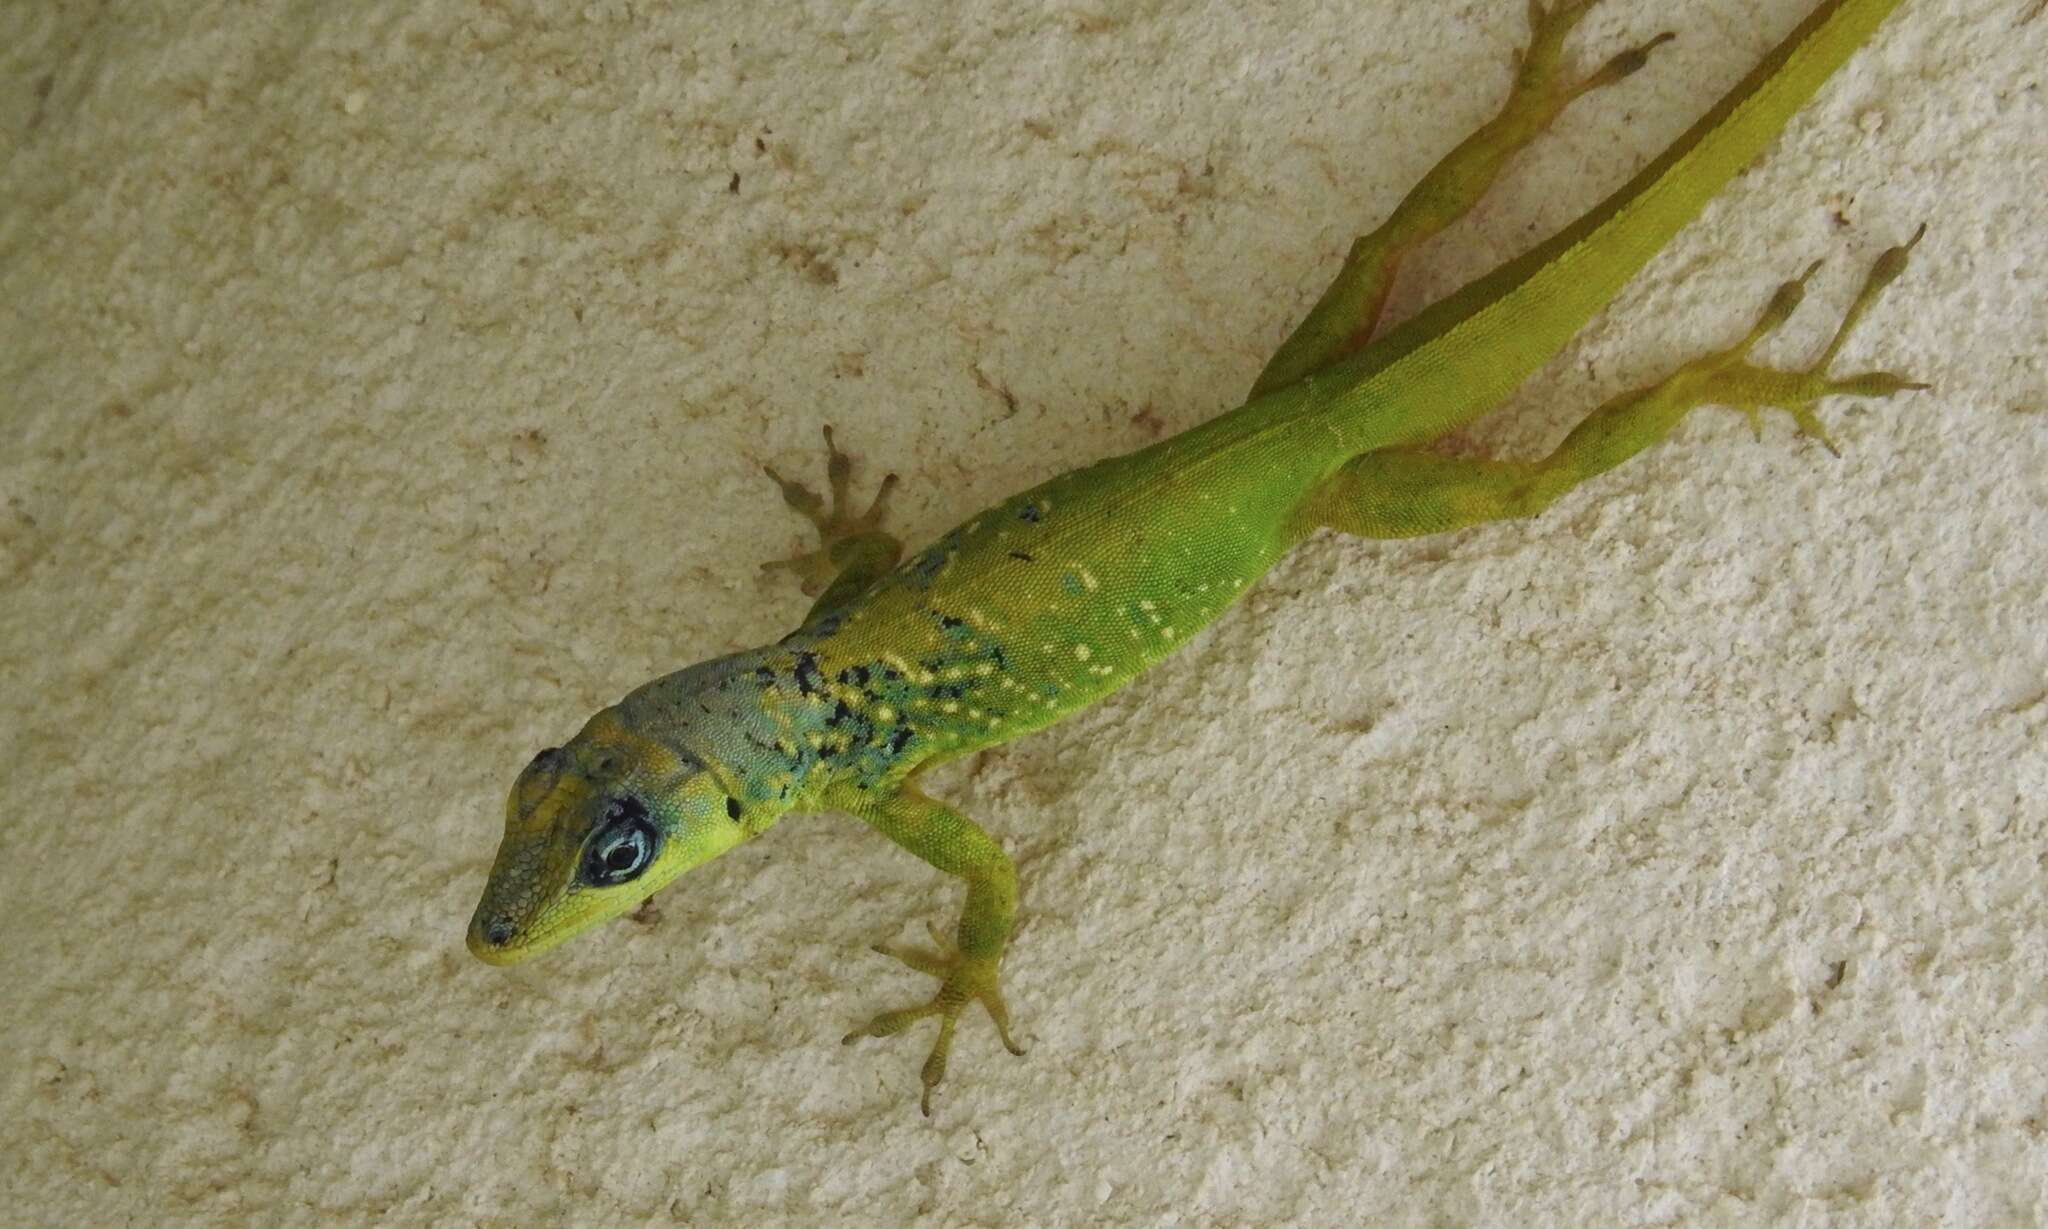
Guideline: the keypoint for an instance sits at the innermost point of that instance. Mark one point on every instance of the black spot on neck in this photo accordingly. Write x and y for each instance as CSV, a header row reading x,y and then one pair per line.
x,y
808,679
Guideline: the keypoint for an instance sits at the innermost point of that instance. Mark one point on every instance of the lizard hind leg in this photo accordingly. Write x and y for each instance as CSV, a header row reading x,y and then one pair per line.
x,y
1398,493
1343,320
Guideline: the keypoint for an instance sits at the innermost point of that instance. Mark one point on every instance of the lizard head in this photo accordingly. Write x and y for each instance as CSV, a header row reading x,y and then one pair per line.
x,y
591,830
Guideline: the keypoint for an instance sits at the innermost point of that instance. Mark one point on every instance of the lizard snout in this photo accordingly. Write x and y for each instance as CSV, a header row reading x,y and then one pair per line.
x,y
489,937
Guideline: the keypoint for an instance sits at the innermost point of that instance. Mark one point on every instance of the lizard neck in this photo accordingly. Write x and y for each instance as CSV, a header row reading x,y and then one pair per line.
x,y
745,717
782,724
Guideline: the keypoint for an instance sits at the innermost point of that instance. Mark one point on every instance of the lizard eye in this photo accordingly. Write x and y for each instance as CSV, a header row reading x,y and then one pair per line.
x,y
622,847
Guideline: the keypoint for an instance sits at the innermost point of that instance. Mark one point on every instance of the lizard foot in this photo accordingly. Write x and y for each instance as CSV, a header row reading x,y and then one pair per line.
x,y
962,980
815,569
1731,379
1539,66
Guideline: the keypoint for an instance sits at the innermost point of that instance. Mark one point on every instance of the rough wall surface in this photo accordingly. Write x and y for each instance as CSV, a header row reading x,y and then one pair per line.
x,y
385,388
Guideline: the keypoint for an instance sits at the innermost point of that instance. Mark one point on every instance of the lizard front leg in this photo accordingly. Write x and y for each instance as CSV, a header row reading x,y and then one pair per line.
x,y
853,551
967,968
1343,319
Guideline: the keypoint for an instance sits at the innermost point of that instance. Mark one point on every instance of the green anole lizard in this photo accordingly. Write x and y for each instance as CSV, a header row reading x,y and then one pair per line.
x,y
1052,599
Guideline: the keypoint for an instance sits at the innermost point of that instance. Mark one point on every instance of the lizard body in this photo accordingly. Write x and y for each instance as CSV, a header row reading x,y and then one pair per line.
x,y
1050,600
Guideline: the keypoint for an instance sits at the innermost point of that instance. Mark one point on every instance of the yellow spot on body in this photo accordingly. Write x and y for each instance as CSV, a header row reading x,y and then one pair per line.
x,y
1082,652
1088,579
885,713
955,673
1146,604
950,706
1167,632
985,669
817,739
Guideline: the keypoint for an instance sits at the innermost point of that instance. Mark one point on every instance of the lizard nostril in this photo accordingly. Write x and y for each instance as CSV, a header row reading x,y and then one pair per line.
x,y
498,933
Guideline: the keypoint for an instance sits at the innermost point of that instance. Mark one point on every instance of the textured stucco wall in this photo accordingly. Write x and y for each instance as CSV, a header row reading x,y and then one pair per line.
x,y
385,387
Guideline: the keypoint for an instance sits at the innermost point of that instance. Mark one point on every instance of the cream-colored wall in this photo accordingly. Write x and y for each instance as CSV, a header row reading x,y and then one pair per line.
x,y
385,388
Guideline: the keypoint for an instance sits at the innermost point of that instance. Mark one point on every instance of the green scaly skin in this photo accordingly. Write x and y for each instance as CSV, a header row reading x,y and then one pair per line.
x,y
1052,599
